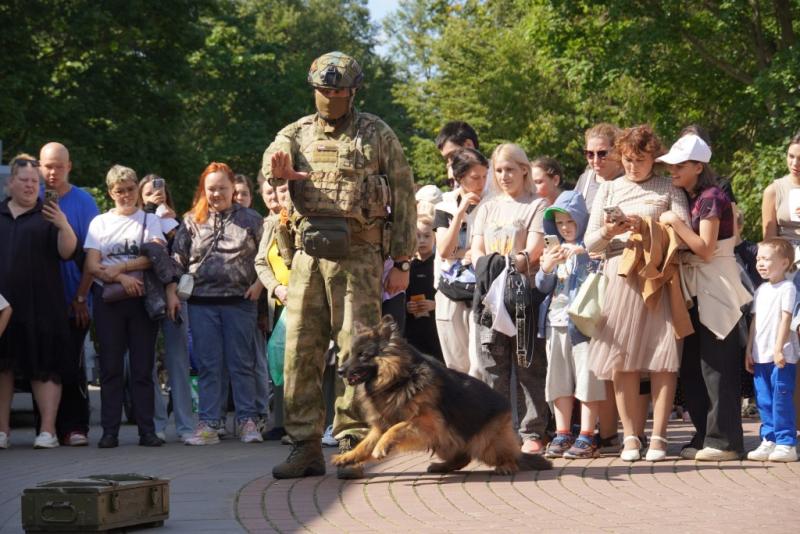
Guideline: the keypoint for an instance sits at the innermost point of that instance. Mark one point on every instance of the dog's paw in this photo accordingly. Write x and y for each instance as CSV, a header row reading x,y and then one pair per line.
x,y
342,459
506,469
381,451
439,467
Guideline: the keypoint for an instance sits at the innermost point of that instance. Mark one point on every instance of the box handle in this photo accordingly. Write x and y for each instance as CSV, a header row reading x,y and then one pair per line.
x,y
53,512
114,502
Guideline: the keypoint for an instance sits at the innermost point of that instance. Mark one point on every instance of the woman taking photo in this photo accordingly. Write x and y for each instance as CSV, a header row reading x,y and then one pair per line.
x,y
155,197
113,256
510,223
216,245
710,377
453,221
634,339
34,237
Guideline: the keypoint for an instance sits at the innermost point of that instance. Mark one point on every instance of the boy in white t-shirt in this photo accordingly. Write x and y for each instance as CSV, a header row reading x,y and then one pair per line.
x,y
772,353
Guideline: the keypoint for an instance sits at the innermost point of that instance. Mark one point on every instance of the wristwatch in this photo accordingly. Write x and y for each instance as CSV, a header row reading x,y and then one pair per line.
x,y
79,299
404,265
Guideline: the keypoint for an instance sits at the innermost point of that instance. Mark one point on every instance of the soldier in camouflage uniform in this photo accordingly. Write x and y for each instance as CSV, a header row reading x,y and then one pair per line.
x,y
352,196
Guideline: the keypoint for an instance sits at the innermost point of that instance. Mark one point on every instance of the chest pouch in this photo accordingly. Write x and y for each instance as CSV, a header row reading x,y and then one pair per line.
x,y
325,237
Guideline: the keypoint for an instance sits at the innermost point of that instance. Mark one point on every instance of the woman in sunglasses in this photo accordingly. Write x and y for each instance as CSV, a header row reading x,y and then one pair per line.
x,y
603,163
34,238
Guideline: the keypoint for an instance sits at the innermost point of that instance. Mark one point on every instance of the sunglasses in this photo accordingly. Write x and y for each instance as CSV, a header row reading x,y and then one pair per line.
x,y
600,154
26,162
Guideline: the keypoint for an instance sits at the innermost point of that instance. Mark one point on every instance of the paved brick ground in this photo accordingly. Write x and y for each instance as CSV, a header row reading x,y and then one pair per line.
x,y
227,488
600,495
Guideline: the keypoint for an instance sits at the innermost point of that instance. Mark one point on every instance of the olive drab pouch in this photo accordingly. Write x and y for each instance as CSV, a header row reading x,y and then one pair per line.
x,y
377,197
329,194
347,159
325,237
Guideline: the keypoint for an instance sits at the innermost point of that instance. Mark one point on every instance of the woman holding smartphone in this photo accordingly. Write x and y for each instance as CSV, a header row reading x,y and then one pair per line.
x,y
634,339
154,196
34,237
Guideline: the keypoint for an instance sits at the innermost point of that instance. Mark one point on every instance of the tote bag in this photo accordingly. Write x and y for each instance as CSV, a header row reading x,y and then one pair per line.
x,y
587,307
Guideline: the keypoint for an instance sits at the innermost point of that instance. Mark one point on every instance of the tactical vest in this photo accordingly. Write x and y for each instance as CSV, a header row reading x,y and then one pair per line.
x,y
344,179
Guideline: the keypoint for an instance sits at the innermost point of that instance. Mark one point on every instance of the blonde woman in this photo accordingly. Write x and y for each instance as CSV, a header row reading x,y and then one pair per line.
x,y
510,223
113,254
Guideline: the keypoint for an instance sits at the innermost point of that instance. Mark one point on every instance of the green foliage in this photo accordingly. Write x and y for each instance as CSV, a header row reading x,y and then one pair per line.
x,y
539,72
167,87
753,170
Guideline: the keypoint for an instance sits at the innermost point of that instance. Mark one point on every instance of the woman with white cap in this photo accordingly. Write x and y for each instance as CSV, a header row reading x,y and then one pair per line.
x,y
710,371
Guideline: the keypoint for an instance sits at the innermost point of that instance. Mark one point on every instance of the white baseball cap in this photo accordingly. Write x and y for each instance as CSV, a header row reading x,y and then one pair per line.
x,y
429,193
687,148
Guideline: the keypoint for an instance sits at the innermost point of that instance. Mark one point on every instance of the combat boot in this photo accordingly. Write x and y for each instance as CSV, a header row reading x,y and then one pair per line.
x,y
305,460
347,472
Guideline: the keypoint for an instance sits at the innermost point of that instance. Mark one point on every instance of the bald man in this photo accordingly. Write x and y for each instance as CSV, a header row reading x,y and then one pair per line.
x,y
72,422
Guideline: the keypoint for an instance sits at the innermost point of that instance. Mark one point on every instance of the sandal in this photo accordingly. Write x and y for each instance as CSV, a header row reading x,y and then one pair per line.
x,y
656,455
631,455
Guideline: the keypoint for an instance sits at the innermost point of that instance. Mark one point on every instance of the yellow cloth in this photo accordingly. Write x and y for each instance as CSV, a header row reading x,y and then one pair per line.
x,y
276,262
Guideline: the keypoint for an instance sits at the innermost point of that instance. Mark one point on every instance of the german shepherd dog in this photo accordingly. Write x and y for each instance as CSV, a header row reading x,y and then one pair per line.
x,y
414,403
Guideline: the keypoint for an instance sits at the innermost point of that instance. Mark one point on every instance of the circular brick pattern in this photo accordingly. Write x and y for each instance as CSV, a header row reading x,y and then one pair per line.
x,y
599,495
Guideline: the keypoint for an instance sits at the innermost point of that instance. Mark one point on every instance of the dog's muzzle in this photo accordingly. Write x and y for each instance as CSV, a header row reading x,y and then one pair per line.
x,y
352,376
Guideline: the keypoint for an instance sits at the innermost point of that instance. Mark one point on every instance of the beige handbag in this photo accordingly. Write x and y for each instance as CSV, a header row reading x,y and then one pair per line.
x,y
586,309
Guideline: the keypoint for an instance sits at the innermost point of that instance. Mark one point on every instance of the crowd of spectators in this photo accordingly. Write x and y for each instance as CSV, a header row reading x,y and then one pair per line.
x,y
690,316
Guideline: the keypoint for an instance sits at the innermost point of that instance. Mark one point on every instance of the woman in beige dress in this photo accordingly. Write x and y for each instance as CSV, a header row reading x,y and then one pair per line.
x,y
634,339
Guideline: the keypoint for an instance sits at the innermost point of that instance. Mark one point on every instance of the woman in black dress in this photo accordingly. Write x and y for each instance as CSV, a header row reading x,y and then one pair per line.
x,y
34,237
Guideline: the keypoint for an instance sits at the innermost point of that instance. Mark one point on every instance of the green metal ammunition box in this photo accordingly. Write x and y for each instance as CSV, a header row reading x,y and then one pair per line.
x,y
95,504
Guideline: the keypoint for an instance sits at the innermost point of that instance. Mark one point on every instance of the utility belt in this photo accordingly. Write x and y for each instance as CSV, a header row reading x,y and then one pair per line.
x,y
332,238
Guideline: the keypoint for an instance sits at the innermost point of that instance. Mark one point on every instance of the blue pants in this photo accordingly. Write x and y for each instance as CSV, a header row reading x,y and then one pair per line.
x,y
262,379
775,401
176,360
223,335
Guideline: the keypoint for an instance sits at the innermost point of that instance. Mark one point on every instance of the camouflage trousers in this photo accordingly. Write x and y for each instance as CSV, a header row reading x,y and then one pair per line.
x,y
325,298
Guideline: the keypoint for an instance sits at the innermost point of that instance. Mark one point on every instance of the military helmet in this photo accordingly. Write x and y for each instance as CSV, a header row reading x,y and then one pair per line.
x,y
335,70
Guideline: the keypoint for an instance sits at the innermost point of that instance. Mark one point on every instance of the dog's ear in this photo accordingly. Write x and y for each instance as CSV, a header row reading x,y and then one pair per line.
x,y
387,327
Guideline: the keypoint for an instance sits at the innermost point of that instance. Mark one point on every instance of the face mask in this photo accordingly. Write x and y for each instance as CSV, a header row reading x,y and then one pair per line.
x,y
331,108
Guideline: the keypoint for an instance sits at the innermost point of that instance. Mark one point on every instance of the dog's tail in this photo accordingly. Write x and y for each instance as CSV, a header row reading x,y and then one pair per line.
x,y
533,462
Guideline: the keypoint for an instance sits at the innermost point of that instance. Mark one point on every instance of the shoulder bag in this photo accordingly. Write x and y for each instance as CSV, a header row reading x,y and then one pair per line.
x,y
114,291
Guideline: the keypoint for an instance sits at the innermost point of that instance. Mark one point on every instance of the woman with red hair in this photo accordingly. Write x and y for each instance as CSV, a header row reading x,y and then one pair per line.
x,y
634,339
216,245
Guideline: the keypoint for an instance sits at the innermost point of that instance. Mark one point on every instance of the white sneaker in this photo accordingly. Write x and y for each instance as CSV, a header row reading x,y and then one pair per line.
x,y
761,454
783,453
248,432
45,440
204,434
327,439
162,436
3,440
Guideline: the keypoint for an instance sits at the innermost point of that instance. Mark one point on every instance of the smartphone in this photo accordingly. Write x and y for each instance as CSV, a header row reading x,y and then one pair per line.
x,y
551,242
614,214
158,183
50,195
